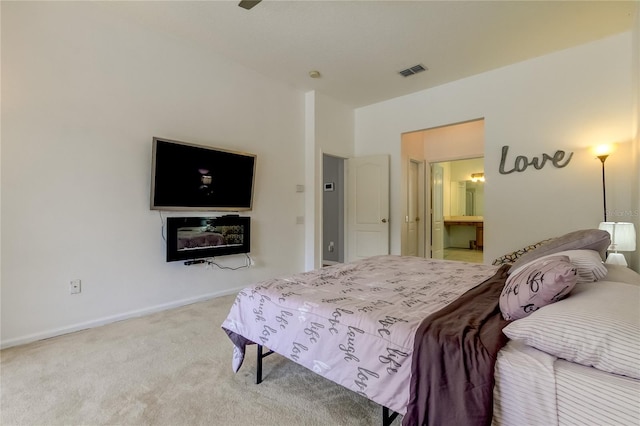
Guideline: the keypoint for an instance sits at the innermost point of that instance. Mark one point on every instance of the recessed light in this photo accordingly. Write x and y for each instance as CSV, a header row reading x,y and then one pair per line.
x,y
314,74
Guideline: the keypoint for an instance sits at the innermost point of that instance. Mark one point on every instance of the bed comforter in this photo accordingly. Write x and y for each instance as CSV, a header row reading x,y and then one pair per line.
x,y
353,323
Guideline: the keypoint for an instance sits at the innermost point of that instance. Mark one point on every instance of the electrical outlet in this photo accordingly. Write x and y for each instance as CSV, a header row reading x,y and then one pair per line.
x,y
75,286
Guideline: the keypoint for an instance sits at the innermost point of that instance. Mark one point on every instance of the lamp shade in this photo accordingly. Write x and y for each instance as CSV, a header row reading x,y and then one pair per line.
x,y
623,235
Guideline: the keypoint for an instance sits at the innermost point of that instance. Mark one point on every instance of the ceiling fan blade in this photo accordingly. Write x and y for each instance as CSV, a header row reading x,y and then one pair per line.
x,y
248,4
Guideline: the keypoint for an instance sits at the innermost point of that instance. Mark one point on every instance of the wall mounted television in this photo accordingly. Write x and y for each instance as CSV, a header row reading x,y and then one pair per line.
x,y
194,177
199,237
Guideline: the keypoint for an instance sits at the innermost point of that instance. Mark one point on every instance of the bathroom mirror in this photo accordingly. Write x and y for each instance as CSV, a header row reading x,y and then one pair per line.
x,y
467,198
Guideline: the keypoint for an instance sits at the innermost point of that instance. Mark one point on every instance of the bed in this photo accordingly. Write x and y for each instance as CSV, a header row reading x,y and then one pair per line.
x,y
575,362
389,328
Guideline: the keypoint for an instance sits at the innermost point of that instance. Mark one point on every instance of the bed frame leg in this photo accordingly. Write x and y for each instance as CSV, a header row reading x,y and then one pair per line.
x,y
259,366
388,416
259,363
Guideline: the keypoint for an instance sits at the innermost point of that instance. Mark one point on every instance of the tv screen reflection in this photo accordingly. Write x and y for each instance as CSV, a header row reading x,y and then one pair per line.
x,y
204,237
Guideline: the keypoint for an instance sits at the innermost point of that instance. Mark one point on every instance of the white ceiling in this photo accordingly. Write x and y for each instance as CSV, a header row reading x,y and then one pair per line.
x,y
360,45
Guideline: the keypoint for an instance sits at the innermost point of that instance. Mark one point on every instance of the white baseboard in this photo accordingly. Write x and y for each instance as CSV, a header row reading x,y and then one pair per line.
x,y
113,318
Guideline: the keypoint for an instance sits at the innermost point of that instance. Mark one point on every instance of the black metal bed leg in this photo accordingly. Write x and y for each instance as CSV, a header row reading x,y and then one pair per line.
x,y
259,363
388,416
259,366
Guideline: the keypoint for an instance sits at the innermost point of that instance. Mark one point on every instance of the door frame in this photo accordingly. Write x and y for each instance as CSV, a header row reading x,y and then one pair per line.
x,y
347,195
423,212
438,144
430,186
344,188
432,209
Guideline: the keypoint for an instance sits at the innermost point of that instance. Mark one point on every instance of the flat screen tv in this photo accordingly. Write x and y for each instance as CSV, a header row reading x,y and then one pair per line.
x,y
199,237
194,177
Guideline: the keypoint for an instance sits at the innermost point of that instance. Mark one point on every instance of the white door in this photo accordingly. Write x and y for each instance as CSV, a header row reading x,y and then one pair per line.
x,y
413,216
368,206
437,220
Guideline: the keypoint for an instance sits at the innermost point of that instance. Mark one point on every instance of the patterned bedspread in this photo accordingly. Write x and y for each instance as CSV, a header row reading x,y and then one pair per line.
x,y
352,323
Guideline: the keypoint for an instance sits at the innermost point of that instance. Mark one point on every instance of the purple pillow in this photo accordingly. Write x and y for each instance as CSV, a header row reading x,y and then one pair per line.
x,y
538,284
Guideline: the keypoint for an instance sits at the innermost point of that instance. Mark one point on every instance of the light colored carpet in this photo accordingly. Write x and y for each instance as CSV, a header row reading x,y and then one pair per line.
x,y
169,368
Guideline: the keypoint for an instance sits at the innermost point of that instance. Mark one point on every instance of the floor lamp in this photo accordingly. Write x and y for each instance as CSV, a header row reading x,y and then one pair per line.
x,y
604,188
602,152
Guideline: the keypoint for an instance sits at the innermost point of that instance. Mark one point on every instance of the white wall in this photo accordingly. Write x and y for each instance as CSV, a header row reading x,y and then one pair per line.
x,y
454,142
569,100
329,130
83,93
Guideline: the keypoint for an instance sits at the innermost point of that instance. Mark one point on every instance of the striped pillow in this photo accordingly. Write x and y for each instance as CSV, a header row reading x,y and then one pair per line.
x,y
588,264
598,326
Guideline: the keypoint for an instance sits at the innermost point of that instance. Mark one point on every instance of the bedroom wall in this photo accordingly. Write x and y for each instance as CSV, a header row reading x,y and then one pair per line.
x,y
328,130
83,93
561,101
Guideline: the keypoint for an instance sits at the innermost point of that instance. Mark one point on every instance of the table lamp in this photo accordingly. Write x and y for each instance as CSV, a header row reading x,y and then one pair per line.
x,y
623,238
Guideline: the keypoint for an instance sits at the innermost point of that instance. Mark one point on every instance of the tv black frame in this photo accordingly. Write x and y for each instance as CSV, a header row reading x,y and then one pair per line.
x,y
153,205
174,223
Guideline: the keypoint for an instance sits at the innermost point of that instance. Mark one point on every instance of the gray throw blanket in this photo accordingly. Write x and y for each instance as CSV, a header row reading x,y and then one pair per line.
x,y
454,358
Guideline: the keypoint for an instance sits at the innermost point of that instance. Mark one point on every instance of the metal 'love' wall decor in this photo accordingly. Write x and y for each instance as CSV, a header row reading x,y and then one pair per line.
x,y
521,163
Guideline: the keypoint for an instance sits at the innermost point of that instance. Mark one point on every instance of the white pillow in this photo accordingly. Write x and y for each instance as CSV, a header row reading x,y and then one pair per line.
x,y
621,274
588,264
598,325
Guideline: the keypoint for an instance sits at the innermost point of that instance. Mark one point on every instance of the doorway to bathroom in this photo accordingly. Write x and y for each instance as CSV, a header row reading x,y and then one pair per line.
x,y
442,187
459,194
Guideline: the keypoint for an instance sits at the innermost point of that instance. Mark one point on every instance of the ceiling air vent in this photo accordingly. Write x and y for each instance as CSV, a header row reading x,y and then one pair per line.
x,y
412,70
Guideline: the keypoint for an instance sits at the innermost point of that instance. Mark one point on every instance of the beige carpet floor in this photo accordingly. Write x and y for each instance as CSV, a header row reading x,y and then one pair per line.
x,y
168,368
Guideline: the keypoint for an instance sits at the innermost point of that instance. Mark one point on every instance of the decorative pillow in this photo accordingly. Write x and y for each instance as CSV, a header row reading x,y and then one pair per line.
x,y
588,264
538,284
510,258
586,239
597,326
